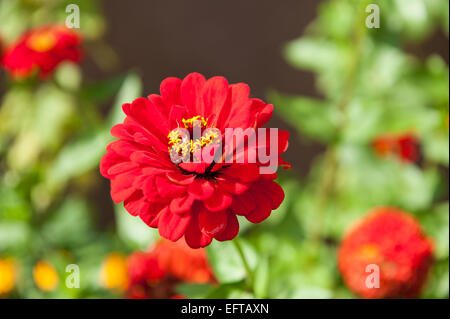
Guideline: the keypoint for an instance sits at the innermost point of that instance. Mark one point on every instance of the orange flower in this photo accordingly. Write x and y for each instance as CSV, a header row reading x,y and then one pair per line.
x,y
185,263
45,276
114,273
8,275
154,274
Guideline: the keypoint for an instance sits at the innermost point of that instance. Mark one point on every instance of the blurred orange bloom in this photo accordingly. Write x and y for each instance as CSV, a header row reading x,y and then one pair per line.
x,y
8,275
114,273
45,276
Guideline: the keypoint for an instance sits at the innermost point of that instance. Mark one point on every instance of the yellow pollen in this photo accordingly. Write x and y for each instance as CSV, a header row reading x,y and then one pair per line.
x,y
181,145
189,123
42,41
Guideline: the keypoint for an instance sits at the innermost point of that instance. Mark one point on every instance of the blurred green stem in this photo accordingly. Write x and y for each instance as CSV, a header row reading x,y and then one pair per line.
x,y
331,164
249,278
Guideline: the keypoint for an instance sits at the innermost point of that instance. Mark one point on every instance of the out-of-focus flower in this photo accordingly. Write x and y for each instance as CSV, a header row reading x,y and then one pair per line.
x,y
45,276
41,50
393,241
183,262
199,199
405,147
144,267
114,272
155,273
8,275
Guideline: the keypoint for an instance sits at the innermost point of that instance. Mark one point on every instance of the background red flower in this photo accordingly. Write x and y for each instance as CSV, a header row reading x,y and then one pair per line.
x,y
42,50
392,240
155,273
405,147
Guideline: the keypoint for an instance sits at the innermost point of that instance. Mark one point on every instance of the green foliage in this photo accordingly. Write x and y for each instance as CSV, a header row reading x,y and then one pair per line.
x,y
370,86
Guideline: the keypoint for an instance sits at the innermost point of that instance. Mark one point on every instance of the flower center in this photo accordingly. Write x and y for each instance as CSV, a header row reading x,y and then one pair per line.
x,y
369,251
42,41
183,142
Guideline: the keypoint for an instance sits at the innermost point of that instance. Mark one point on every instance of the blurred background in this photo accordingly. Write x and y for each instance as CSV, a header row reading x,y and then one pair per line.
x,y
351,96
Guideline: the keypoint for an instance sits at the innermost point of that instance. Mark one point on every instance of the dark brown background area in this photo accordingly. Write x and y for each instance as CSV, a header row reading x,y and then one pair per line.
x,y
239,39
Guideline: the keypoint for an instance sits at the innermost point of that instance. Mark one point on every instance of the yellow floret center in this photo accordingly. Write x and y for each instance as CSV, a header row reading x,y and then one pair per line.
x,y
369,251
182,145
42,41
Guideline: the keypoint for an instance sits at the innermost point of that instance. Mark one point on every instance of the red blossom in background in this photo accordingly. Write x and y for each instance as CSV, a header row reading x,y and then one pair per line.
x,y
42,50
392,240
197,200
405,147
154,274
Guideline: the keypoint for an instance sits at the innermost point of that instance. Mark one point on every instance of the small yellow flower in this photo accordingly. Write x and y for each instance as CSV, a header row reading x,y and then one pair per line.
x,y
114,272
45,276
8,275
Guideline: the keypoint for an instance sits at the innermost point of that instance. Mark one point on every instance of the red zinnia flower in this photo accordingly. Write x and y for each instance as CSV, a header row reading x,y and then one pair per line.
x,y
42,49
155,273
406,147
199,200
393,241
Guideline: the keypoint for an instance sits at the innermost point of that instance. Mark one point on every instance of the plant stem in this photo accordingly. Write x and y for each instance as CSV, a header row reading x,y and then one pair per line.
x,y
249,278
331,164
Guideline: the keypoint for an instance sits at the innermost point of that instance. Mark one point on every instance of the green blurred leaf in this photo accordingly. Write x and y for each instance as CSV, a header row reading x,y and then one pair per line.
x,y
132,230
226,262
130,90
261,278
77,158
310,117
194,291
70,225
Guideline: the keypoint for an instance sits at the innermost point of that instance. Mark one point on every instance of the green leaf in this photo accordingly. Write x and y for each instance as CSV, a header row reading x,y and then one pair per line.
x,y
70,224
132,230
261,278
68,75
102,91
229,291
194,291
130,90
227,263
77,158
14,235
310,117
316,54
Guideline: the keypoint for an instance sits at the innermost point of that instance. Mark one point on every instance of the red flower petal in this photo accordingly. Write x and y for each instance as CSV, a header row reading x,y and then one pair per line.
x,y
219,201
231,230
261,212
201,189
212,223
215,92
170,90
172,226
191,87
243,172
181,204
194,237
